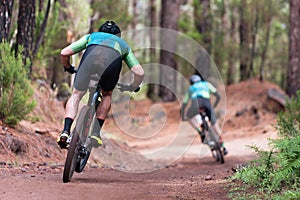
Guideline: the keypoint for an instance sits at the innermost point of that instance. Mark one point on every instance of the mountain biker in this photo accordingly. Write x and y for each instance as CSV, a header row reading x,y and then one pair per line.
x,y
199,93
104,52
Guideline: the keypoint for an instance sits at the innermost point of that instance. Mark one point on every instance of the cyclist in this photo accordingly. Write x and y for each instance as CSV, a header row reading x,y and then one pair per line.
x,y
200,92
104,52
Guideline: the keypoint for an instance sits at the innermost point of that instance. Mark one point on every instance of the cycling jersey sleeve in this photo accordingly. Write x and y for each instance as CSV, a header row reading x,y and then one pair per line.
x,y
211,88
186,97
130,59
80,44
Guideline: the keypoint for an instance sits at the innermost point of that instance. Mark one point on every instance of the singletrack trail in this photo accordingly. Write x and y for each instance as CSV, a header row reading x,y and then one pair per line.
x,y
189,177
185,179
32,167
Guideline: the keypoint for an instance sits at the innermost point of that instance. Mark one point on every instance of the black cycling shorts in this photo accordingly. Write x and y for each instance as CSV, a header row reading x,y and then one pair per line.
x,y
103,61
201,103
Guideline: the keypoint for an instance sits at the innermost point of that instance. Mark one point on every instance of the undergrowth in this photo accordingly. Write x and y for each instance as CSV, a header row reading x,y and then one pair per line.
x,y
275,174
15,91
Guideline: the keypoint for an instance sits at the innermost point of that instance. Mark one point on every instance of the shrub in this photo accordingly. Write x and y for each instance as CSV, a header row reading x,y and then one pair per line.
x,y
15,90
276,174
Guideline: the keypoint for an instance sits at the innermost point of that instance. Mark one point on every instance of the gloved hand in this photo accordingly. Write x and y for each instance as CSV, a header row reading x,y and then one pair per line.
x,y
135,89
70,69
122,87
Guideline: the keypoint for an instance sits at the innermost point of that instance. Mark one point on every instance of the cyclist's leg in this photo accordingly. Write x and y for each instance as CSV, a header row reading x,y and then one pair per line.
x,y
80,86
202,105
71,111
108,81
196,123
109,75
73,103
195,119
211,115
205,103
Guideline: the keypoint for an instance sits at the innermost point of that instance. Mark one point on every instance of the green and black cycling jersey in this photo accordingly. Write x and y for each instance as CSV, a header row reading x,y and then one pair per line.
x,y
199,93
107,40
201,89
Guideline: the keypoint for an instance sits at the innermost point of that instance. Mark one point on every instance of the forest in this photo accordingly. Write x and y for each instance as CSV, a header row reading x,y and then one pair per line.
x,y
225,41
244,39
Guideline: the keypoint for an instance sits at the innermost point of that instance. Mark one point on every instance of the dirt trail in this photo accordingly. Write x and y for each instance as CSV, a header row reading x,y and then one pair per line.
x,y
182,180
170,163
190,177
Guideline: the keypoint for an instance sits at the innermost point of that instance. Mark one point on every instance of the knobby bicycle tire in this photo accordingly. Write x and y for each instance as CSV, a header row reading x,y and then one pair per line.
x,y
71,160
88,115
216,149
219,154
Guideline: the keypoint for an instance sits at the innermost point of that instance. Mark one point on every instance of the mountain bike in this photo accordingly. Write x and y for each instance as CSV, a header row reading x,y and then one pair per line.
x,y
211,138
80,146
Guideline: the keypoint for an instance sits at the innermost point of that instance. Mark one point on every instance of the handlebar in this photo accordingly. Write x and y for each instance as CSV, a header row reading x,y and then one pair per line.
x,y
123,88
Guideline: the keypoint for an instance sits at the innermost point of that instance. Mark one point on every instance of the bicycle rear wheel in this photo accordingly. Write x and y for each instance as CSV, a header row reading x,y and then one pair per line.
x,y
72,158
217,153
213,142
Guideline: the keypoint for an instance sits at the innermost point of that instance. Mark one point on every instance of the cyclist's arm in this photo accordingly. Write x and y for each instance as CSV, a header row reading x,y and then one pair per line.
x,y
135,68
65,56
73,48
138,72
184,104
214,91
218,97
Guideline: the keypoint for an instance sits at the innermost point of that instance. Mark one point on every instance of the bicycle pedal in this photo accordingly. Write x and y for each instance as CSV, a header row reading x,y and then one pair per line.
x,y
69,140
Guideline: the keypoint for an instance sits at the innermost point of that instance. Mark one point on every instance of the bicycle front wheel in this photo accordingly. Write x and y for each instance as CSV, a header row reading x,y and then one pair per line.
x,y
217,153
84,126
72,158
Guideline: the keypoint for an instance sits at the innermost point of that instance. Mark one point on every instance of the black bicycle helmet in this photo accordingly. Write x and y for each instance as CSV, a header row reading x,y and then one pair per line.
x,y
110,27
194,79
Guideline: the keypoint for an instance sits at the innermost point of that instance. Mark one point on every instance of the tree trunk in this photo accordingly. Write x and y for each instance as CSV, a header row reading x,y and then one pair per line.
x,y
203,22
58,78
169,20
293,73
244,30
267,39
6,7
134,19
41,5
253,39
95,17
26,26
151,93
42,29
232,55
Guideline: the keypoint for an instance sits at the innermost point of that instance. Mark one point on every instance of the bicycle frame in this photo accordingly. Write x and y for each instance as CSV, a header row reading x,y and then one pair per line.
x,y
211,137
92,104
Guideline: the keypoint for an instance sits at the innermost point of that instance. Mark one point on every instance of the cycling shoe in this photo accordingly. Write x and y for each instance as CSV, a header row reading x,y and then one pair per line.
x,y
62,140
96,141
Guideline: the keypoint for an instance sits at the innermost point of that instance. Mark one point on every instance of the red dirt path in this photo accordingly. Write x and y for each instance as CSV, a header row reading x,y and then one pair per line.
x,y
31,163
